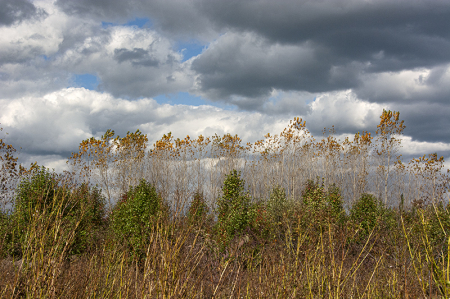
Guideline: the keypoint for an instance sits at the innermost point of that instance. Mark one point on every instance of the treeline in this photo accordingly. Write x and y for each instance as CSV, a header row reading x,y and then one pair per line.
x,y
179,168
284,217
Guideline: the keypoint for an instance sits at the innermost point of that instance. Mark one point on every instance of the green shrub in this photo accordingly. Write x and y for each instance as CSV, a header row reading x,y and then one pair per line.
x,y
278,210
366,212
438,228
135,216
277,204
88,204
37,197
36,194
43,194
234,214
198,209
322,206
335,202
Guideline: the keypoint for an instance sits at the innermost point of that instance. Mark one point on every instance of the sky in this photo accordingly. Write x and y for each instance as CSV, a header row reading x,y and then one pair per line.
x,y
71,69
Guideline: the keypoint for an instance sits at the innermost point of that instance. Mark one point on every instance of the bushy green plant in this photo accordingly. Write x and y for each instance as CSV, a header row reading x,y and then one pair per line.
x,y
321,204
136,215
88,204
278,210
438,228
366,212
314,197
43,194
233,209
335,202
277,204
198,209
36,194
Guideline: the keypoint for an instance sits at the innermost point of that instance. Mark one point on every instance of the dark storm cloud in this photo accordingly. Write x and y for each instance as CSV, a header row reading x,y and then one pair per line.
x,y
390,35
412,33
14,11
426,121
347,37
250,66
123,54
408,33
181,18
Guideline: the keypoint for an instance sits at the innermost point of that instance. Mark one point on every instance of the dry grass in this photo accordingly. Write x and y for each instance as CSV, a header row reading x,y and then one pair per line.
x,y
185,263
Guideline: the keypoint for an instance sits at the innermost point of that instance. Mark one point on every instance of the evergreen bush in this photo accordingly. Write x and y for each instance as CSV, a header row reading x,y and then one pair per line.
x,y
234,214
322,206
365,213
135,216
44,196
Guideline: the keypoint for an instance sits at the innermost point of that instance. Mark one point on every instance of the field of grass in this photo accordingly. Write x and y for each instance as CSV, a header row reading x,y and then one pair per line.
x,y
285,217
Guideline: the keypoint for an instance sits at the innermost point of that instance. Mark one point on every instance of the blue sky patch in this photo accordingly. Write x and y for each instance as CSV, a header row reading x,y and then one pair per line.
x,y
189,49
44,57
138,22
87,81
183,98
310,101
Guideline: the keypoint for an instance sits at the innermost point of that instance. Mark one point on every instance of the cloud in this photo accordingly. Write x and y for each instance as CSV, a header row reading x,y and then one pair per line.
x,y
15,11
52,126
178,18
406,33
137,56
129,61
105,10
343,110
408,86
248,65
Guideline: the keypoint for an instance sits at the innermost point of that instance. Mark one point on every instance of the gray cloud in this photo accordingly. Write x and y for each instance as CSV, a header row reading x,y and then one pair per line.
x,y
178,18
15,11
409,87
345,39
410,33
407,33
250,66
129,62
105,10
426,121
137,56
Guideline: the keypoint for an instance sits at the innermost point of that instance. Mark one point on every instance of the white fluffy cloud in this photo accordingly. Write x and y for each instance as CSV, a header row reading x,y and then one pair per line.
x,y
49,128
59,121
416,85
